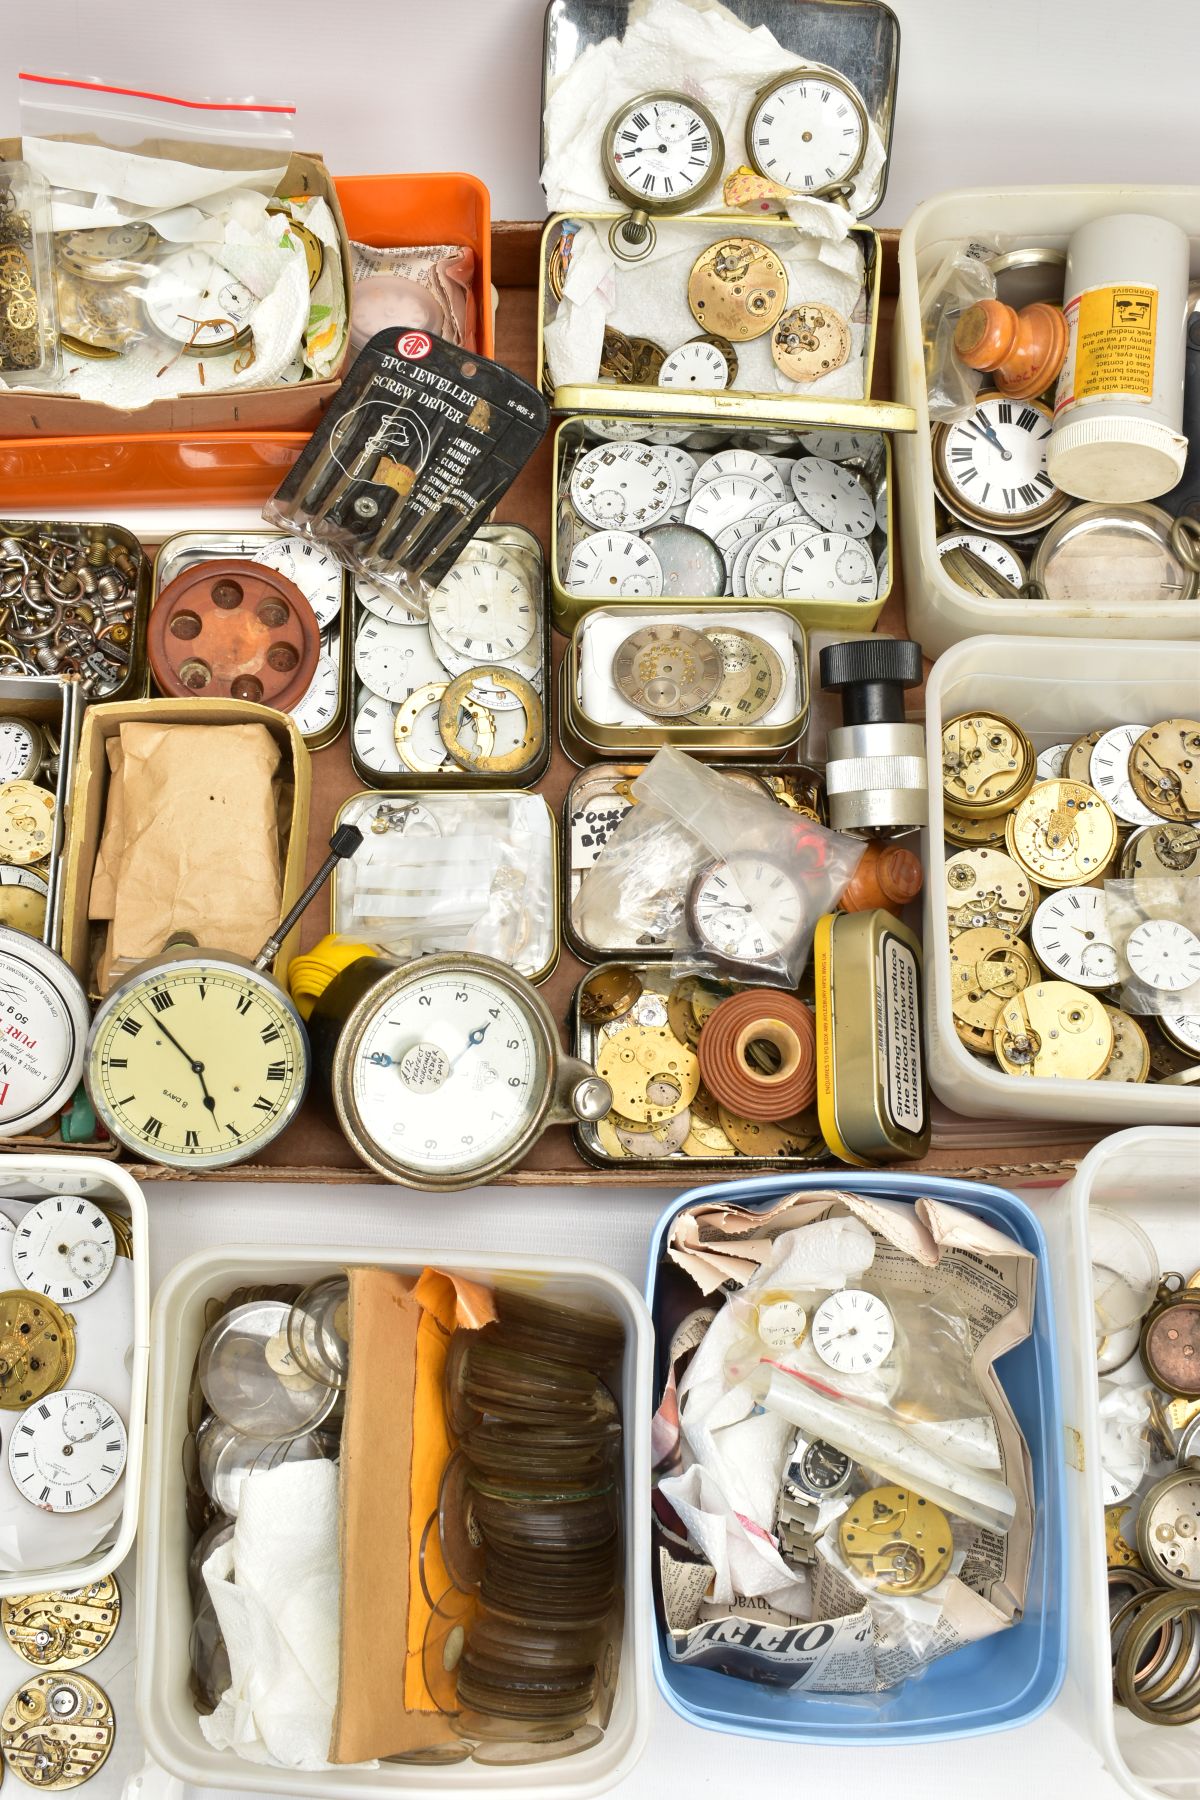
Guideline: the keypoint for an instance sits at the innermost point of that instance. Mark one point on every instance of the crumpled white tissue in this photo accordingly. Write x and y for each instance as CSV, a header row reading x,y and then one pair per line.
x,y
276,1589
740,1553
1124,1422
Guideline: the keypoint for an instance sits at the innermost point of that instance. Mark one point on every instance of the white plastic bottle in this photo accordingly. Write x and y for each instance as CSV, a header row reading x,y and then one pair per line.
x,y
1118,411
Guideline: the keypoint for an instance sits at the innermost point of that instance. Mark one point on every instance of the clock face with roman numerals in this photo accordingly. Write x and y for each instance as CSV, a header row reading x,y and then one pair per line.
x,y
67,1451
990,468
662,152
808,130
197,1063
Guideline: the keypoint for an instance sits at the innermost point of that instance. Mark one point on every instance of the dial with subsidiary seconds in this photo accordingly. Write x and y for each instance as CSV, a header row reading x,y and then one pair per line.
x,y
745,908
65,1248
448,1072
1164,954
22,749
990,468
68,1450
314,570
197,1063
483,607
808,131
853,1331
1071,937
661,150
991,551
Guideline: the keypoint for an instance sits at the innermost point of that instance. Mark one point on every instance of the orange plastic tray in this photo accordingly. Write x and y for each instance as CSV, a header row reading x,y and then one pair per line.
x,y
92,474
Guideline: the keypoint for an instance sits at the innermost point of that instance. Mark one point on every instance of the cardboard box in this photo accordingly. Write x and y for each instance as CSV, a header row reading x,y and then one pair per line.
x,y
30,413
91,795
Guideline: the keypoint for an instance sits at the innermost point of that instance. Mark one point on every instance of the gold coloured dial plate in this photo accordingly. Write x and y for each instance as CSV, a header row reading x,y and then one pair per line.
x,y
1164,769
751,680
56,1731
737,289
987,968
1062,834
1053,1028
1130,1059
64,1628
634,1059
986,887
667,671
988,764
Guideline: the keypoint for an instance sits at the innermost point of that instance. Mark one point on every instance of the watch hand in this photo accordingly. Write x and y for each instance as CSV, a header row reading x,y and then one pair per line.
x,y
984,430
197,1068
475,1037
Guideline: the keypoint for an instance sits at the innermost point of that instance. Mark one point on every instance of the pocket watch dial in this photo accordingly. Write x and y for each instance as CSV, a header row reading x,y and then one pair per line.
x,y
833,497
626,486
374,736
21,750
727,498
197,1064
64,1247
810,132
853,1331
448,1073
319,705
769,555
741,462
612,565
484,608
991,467
746,908
68,1450
393,660
1072,939
195,302
662,150
1164,955
990,551
1108,773
315,571
830,566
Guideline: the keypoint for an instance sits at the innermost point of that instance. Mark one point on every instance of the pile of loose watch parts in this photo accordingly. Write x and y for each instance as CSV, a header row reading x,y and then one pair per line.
x,y
1037,974
1147,1333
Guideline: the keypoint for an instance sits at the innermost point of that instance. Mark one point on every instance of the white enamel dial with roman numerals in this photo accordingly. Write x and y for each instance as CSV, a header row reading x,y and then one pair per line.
x,y
1164,955
315,571
853,1331
808,130
197,1061
662,152
484,608
990,468
67,1451
744,909
64,1248
991,551
1072,940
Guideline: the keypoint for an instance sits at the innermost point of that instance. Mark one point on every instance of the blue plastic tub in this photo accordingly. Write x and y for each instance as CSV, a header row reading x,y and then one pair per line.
x,y
1006,1680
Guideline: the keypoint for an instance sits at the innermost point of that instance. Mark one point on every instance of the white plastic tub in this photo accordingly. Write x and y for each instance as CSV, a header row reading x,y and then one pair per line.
x,y
1154,1176
939,612
1054,688
33,1177
167,1714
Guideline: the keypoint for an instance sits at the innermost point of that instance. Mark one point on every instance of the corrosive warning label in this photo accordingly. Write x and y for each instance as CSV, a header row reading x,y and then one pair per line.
x,y
1110,345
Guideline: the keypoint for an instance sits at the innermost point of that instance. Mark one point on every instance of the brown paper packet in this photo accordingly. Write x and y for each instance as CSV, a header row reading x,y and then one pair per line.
x,y
109,857
372,1718
201,840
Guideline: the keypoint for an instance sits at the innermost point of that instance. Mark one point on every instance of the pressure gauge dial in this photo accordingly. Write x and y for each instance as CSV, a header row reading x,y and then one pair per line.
x,y
1164,955
197,1061
68,1450
445,1071
745,910
1072,940
23,749
833,496
315,571
989,469
65,1248
484,608
808,130
662,153
853,1331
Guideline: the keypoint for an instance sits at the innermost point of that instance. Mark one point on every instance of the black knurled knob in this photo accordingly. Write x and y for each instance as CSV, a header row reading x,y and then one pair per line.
x,y
871,676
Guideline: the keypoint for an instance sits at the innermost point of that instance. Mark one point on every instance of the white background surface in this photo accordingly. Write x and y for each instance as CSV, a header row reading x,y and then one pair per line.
x,y
1076,90
1031,91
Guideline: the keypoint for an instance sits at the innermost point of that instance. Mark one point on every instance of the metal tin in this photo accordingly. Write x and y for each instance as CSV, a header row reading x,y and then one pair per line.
x,y
716,406
58,705
580,433
655,978
793,785
871,1090
431,797
586,739
136,682
523,543
187,548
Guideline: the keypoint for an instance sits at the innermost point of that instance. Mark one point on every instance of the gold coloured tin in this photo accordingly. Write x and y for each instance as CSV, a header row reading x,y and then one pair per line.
x,y
430,797
524,544
585,739
596,1142
186,548
714,406
576,435
56,708
871,1091
135,683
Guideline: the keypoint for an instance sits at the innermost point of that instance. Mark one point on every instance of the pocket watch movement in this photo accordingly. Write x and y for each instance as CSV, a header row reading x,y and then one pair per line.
x,y
37,1348
1164,770
808,130
1062,834
985,887
896,1541
990,469
27,817
57,1731
1130,1059
67,1451
738,289
988,764
65,1628
810,341
1053,1028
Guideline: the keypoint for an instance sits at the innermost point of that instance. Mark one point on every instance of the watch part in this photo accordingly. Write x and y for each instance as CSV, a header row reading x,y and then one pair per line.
x,y
986,887
897,1541
37,1349
1164,770
988,764
1063,834
65,1628
1053,1028
667,671
737,289
810,341
57,1731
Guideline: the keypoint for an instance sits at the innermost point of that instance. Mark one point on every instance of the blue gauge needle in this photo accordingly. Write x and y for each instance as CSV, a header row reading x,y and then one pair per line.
x,y
475,1037
981,428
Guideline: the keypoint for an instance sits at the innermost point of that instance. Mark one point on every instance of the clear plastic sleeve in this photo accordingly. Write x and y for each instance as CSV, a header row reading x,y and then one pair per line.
x,y
64,106
1154,929
705,867
952,287
28,303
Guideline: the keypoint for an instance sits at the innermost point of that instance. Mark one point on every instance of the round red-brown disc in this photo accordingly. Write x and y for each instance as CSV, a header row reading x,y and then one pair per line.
x,y
767,1016
233,630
